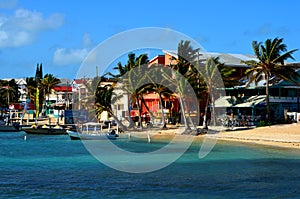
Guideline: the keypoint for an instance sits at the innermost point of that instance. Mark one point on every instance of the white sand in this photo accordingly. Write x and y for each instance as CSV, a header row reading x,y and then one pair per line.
x,y
287,135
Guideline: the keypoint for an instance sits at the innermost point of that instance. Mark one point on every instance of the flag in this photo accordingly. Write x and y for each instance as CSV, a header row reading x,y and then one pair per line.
x,y
37,102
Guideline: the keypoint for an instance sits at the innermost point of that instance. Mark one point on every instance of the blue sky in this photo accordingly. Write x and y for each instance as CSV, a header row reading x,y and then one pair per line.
x,y
60,33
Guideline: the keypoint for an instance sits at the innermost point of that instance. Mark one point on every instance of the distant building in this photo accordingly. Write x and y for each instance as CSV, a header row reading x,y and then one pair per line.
x,y
59,99
21,82
251,101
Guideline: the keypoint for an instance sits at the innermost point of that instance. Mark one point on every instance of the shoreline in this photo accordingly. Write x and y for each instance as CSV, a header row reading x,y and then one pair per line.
x,y
284,136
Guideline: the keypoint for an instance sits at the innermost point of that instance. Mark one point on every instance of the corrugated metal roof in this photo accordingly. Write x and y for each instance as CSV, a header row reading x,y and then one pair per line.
x,y
226,58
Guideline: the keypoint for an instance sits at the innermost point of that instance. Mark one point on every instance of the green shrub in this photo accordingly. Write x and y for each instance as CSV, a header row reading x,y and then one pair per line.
x,y
264,123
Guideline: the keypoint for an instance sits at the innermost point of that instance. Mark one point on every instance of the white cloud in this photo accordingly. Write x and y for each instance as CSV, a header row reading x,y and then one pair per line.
x,y
63,56
22,27
73,56
8,4
86,40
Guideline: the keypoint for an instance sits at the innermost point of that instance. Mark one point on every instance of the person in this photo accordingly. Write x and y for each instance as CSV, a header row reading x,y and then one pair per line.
x,y
240,119
61,114
201,118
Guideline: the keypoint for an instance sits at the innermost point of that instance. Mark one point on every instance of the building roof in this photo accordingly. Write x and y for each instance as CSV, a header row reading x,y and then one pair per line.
x,y
63,88
65,81
79,81
19,81
231,101
229,59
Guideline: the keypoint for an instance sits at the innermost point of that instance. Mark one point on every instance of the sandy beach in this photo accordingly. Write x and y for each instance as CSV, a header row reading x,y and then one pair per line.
x,y
284,135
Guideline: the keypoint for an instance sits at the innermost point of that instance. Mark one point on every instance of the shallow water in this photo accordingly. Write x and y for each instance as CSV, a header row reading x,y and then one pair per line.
x,y
56,167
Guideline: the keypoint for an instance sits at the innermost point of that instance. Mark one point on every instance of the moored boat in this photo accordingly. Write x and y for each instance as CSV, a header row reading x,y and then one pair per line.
x,y
74,135
10,128
45,130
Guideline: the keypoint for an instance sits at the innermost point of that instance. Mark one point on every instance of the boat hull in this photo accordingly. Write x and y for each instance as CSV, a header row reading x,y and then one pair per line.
x,y
84,136
45,131
9,128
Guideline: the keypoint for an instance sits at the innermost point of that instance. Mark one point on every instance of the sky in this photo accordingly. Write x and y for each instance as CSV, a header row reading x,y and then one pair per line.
x,y
60,34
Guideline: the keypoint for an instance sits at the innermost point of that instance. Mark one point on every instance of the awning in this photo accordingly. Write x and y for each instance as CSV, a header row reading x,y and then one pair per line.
x,y
230,101
223,102
253,101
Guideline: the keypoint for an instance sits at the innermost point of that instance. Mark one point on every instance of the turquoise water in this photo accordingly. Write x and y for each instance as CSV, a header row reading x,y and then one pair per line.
x,y
56,167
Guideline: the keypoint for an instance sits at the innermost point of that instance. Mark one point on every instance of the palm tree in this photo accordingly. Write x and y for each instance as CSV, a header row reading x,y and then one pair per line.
x,y
186,56
104,97
9,89
210,73
47,84
31,86
133,86
270,63
159,82
130,79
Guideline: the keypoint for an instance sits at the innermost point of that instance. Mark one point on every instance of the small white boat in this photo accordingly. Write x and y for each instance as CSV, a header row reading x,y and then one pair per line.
x,y
74,135
92,131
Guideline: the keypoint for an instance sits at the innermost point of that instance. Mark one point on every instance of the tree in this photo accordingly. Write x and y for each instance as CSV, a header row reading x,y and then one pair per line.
x,y
47,84
104,97
39,73
270,63
159,82
9,91
210,73
130,79
31,85
186,57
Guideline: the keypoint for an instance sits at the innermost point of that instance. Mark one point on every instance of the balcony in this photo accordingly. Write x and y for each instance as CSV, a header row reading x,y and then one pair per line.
x,y
274,99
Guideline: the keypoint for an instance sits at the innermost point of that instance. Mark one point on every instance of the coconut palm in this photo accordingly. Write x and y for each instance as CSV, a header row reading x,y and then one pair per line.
x,y
130,80
104,98
31,86
159,82
9,90
48,83
186,57
45,86
271,57
132,84
211,75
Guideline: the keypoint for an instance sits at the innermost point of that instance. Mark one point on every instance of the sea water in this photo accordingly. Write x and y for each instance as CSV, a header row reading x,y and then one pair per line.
x,y
38,166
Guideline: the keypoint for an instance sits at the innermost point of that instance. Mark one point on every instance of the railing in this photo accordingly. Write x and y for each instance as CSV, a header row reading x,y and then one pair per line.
x,y
283,99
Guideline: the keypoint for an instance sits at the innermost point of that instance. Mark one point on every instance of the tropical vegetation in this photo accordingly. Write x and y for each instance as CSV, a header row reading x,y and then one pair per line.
x,y
271,56
184,74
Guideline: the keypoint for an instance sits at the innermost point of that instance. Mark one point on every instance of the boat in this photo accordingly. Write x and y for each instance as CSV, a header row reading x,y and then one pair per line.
x,y
75,135
45,130
92,131
10,128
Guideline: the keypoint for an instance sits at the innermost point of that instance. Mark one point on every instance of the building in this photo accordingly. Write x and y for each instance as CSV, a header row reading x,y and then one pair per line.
x,y
251,101
21,82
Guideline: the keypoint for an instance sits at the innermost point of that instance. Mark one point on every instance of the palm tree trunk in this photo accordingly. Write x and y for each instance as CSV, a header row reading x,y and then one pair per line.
x,y
162,110
131,124
205,112
213,114
267,99
140,111
187,127
8,96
